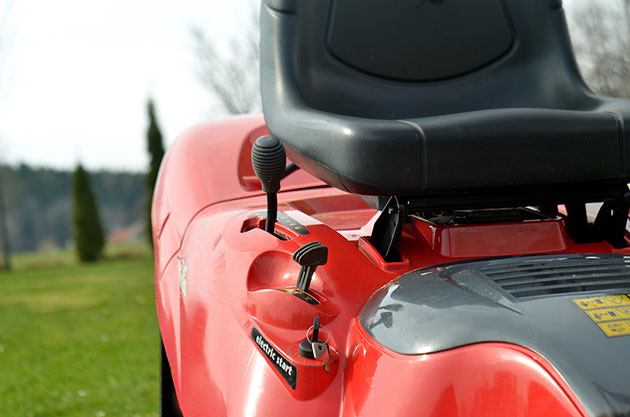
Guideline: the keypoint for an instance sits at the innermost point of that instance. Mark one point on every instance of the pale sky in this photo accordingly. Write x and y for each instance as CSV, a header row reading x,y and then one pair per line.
x,y
80,72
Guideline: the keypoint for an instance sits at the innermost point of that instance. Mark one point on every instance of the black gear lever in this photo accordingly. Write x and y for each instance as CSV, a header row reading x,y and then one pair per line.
x,y
269,161
309,256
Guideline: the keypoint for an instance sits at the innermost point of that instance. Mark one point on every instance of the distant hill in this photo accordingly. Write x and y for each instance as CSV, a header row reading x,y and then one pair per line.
x,y
39,207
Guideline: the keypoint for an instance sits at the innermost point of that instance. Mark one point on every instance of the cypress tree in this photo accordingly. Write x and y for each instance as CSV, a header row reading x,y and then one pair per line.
x,y
89,238
155,147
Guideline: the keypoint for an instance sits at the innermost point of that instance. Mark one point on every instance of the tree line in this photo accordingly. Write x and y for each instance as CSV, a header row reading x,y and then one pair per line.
x,y
38,203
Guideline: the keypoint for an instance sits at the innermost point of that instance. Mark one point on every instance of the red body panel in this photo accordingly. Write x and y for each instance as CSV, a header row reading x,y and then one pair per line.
x,y
489,379
219,276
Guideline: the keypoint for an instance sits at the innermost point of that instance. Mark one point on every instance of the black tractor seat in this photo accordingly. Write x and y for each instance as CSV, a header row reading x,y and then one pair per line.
x,y
440,101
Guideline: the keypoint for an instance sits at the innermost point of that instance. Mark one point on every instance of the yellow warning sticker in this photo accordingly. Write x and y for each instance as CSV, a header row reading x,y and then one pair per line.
x,y
611,313
616,328
603,301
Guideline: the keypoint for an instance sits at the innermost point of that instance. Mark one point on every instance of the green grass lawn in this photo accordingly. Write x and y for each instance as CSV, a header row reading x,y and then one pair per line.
x,y
78,340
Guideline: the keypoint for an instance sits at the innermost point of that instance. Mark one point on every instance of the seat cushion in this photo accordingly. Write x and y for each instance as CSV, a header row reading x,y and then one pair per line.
x,y
505,147
461,152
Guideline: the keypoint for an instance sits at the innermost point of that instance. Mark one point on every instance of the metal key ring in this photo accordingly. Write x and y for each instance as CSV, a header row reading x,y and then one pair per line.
x,y
308,338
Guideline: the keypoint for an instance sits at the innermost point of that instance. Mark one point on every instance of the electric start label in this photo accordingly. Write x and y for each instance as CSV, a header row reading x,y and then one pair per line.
x,y
611,313
286,368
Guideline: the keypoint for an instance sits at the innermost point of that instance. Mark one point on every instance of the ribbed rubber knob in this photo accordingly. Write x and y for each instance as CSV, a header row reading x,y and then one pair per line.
x,y
269,162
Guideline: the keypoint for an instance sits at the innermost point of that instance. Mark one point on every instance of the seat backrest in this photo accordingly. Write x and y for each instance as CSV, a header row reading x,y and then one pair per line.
x,y
450,103
396,59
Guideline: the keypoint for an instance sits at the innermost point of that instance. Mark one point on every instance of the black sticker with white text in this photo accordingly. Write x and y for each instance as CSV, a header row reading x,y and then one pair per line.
x,y
286,368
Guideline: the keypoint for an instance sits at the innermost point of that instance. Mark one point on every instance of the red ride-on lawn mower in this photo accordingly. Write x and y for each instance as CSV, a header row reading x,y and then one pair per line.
x,y
436,254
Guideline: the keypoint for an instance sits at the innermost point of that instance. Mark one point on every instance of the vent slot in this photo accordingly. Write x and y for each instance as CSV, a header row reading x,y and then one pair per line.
x,y
526,278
